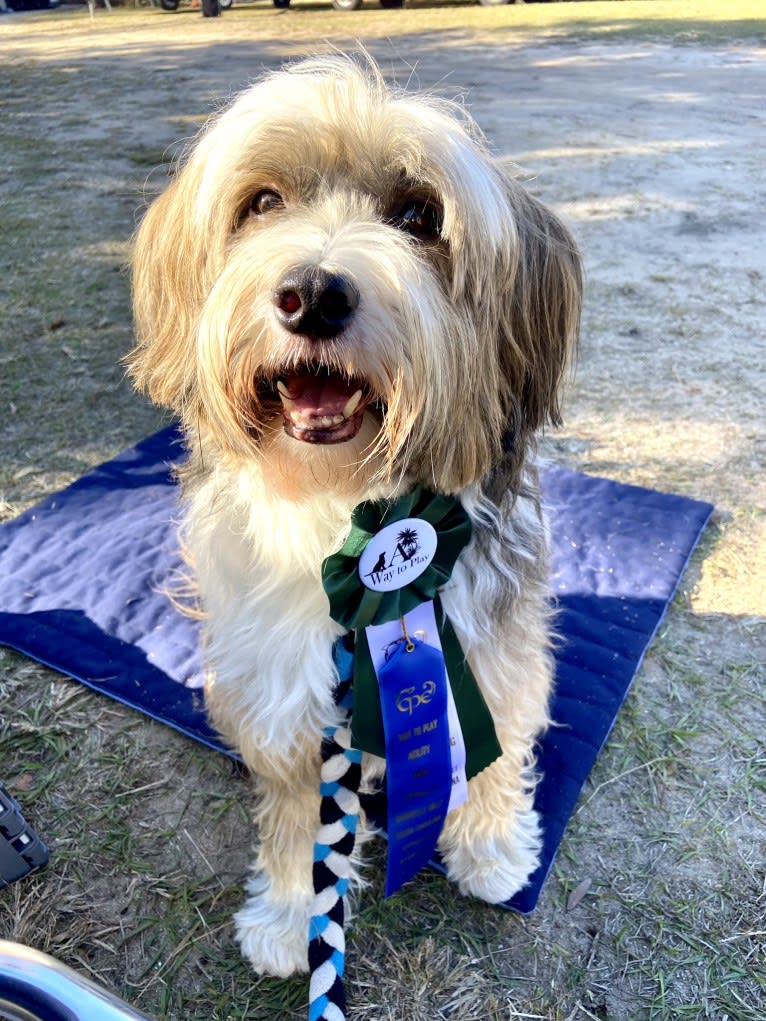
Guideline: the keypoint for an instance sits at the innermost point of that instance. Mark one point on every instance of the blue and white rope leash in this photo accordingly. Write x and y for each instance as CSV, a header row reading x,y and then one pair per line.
x,y
339,815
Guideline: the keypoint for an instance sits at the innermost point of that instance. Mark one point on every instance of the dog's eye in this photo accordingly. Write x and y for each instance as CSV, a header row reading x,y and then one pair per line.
x,y
421,218
266,202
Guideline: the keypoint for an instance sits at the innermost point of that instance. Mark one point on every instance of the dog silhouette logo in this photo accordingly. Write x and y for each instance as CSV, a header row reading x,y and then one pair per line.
x,y
380,565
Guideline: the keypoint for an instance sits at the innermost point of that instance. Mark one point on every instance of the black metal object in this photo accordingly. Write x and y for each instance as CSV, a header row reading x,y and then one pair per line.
x,y
21,849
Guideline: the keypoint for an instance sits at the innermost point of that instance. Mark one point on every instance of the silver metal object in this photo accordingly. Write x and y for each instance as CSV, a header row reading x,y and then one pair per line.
x,y
36,987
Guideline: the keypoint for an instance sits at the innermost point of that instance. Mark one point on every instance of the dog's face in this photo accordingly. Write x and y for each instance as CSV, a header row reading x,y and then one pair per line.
x,y
342,273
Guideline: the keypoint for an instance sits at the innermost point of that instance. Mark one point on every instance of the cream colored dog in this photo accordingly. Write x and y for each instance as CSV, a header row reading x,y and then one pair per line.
x,y
343,294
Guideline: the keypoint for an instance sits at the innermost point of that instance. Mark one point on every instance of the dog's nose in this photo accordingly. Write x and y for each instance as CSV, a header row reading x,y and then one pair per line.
x,y
315,302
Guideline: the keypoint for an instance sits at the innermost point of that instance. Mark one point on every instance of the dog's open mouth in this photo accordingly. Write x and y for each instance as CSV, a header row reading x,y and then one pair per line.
x,y
320,405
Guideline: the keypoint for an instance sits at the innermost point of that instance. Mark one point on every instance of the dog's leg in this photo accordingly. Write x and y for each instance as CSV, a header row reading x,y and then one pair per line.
x,y
273,925
491,844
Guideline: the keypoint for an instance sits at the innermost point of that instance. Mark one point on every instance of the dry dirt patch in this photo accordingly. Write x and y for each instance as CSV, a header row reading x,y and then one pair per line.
x,y
651,151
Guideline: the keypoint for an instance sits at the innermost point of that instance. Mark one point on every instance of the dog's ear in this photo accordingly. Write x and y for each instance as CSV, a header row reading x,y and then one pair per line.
x,y
541,314
168,266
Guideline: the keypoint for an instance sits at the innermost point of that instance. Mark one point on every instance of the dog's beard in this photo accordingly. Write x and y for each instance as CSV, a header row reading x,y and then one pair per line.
x,y
378,392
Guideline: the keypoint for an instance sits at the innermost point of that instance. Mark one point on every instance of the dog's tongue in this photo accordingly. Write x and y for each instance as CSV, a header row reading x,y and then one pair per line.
x,y
318,395
321,407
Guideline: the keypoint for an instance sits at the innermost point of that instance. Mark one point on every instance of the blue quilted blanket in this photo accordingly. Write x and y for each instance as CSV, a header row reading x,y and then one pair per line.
x,y
83,575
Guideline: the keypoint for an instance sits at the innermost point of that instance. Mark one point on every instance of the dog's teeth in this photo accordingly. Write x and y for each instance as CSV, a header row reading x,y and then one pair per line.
x,y
303,421
284,393
352,404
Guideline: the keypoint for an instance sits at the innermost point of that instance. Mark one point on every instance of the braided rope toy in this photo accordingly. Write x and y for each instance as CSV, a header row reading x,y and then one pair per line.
x,y
339,815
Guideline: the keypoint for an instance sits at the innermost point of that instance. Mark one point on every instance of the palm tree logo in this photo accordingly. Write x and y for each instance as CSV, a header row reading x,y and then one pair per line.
x,y
406,544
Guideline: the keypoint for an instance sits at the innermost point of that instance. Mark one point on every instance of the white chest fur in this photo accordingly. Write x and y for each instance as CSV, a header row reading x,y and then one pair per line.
x,y
268,634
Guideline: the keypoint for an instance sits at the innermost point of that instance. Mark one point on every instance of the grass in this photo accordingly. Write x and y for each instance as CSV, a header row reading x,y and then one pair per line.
x,y
149,832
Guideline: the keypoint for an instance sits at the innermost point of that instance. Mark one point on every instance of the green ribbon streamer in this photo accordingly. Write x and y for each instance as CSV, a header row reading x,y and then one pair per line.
x,y
355,607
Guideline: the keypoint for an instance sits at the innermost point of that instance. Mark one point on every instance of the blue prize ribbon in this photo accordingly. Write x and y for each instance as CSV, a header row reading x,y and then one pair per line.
x,y
413,697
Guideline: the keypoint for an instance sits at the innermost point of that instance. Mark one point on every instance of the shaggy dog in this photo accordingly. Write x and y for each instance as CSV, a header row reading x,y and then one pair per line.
x,y
344,295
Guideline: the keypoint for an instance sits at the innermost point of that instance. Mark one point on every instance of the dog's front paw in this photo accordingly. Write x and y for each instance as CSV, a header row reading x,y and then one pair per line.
x,y
496,865
273,931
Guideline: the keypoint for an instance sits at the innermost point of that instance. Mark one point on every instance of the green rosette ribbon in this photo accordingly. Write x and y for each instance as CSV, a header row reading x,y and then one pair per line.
x,y
356,607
